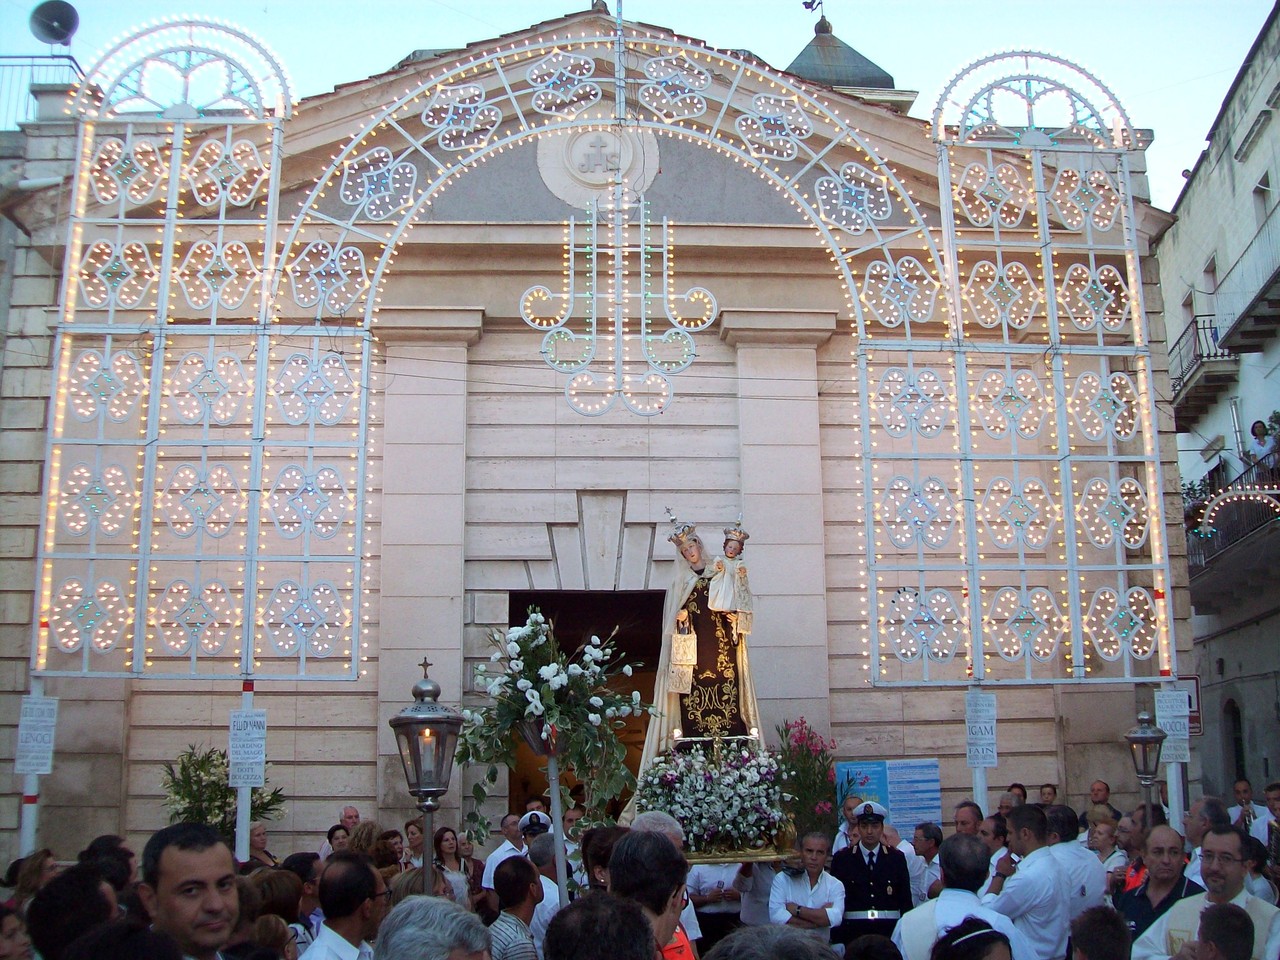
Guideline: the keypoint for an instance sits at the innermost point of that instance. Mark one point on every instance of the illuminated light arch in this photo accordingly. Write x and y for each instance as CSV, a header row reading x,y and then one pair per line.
x,y
232,69
968,107
902,275
1268,495
789,121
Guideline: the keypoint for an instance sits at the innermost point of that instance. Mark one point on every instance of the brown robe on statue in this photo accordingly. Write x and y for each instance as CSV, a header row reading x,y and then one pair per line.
x,y
712,708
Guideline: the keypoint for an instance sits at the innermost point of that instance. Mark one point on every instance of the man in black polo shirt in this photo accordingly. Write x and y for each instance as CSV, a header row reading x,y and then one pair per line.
x,y
1165,884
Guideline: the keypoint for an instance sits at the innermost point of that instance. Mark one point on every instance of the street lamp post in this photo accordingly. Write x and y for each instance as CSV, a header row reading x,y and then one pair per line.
x,y
427,735
1145,741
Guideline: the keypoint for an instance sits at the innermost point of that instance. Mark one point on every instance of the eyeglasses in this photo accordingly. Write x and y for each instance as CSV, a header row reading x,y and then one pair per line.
x,y
1223,858
385,893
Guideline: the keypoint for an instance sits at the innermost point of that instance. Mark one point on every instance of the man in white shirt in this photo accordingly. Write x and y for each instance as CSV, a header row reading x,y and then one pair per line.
x,y
849,826
927,840
1032,893
993,832
354,899
755,902
715,890
1246,813
964,872
542,854
1205,814
1086,877
968,816
916,867
511,846
1174,932
813,900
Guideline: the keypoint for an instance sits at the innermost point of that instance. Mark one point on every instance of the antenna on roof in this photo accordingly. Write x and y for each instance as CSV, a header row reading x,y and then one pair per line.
x,y
54,21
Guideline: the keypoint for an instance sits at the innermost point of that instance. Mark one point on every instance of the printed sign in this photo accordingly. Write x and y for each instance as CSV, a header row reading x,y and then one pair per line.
x,y
247,749
980,729
911,790
1195,721
37,724
1173,708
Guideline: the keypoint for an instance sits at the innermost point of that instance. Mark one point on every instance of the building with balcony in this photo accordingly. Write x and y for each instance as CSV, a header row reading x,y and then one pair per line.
x,y
1220,281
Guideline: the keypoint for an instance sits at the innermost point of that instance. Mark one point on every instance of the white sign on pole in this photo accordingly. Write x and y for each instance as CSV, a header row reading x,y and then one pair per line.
x,y
980,729
247,749
37,724
1173,709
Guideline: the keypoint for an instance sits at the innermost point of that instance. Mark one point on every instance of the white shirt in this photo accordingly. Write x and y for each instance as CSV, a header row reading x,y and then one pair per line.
x,y
1259,828
505,849
932,873
1085,876
689,920
991,867
705,877
842,838
949,910
788,889
1153,944
1116,860
755,902
544,911
1192,870
1035,899
1259,813
916,870
329,945
1260,887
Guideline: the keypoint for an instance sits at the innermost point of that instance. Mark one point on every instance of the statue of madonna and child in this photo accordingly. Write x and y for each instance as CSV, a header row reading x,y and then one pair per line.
x,y
703,686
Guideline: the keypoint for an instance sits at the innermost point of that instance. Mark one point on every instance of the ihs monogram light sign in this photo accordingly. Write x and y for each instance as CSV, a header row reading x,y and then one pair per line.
x,y
618,327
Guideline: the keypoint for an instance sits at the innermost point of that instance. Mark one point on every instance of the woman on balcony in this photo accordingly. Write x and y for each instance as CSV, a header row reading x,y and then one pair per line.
x,y
1262,447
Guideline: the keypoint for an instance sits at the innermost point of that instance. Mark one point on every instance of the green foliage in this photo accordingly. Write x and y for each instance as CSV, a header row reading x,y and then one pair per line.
x,y
808,776
196,790
564,701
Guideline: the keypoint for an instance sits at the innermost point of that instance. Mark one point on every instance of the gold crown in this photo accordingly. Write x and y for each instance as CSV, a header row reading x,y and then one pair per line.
x,y
736,532
682,531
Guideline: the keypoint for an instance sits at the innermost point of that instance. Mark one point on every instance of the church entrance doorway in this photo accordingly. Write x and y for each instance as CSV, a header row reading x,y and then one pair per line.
x,y
576,616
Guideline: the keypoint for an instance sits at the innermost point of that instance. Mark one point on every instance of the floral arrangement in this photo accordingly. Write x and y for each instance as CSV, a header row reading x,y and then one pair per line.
x,y
727,794
809,776
562,703
196,790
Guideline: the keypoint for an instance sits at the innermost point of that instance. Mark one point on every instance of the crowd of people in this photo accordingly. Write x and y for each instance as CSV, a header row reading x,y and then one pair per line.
x,y
1027,881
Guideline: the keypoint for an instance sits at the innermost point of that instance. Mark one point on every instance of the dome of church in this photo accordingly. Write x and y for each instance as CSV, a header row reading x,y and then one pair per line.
x,y
832,62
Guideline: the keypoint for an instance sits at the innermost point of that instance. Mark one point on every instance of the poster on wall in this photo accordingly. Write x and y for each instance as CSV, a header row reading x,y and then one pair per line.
x,y
911,790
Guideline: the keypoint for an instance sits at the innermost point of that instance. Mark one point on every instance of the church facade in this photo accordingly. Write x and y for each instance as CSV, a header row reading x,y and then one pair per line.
x,y
326,387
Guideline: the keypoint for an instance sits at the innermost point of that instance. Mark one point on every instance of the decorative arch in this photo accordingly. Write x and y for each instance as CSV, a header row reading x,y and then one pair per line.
x,y
456,118
1005,456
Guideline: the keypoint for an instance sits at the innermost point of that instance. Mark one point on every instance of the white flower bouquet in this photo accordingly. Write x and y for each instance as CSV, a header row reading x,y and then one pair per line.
x,y
727,794
566,700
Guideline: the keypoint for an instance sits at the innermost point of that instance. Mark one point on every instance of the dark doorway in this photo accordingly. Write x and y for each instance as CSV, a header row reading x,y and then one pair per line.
x,y
576,616
1235,740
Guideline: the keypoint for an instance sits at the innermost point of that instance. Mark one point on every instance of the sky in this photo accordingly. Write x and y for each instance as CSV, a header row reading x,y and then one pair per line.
x,y
1169,62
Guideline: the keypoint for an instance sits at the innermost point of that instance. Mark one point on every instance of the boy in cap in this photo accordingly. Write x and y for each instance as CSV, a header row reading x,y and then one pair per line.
x,y
877,884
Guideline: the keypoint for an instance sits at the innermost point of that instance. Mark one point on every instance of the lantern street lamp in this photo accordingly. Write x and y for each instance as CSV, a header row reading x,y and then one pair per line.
x,y
1145,741
427,735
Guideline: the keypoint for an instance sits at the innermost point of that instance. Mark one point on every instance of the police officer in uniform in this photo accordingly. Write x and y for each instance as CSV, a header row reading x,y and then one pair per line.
x,y
877,886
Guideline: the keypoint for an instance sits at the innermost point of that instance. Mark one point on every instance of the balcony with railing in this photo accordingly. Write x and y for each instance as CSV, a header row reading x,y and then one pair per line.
x,y
1241,554
1248,295
1200,369
18,73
